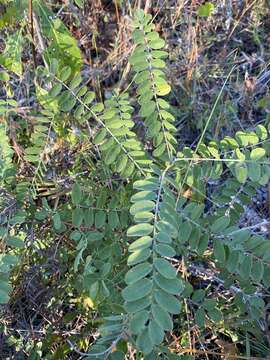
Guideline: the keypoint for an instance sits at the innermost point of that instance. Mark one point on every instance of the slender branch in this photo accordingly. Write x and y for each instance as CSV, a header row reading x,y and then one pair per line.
x,y
147,6
105,352
30,14
41,43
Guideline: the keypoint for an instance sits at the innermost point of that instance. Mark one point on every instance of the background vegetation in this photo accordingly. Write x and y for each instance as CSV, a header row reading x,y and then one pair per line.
x,y
134,179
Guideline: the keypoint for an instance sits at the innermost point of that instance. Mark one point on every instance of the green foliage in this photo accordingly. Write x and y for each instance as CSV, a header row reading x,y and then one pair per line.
x,y
134,237
62,44
5,153
152,282
13,13
118,143
147,61
11,57
79,3
206,9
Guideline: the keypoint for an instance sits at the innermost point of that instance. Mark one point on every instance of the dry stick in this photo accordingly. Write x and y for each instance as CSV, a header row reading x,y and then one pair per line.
x,y
179,6
186,306
238,21
124,76
41,44
105,352
147,6
117,12
196,331
30,14
43,332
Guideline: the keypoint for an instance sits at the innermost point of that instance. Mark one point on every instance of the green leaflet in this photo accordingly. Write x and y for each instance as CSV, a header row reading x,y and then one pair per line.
x,y
88,217
141,243
94,236
245,267
162,317
163,237
137,305
220,224
257,154
155,332
100,219
138,256
77,217
137,290
6,152
76,194
257,270
140,206
4,296
261,131
144,216
48,102
147,184
57,221
15,242
140,230
241,172
144,342
65,73
200,317
254,171
97,108
113,219
138,321
165,268
4,76
165,250
205,10
66,101
138,272
232,261
55,90
219,251
167,302
75,82
171,286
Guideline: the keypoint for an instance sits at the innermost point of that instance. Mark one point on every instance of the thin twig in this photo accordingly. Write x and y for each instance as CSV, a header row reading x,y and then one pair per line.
x,y
30,14
41,43
147,6
105,352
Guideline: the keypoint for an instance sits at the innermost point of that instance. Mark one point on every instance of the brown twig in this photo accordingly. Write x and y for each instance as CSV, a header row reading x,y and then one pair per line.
x,y
239,20
41,44
147,6
116,12
30,14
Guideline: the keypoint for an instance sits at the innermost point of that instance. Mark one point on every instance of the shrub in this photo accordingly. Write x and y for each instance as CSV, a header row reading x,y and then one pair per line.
x,y
144,214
